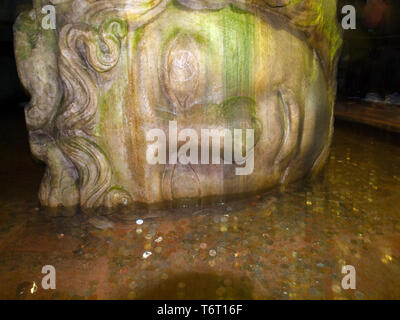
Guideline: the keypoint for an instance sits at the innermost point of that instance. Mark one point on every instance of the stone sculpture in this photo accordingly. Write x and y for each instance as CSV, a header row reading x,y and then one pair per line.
x,y
113,70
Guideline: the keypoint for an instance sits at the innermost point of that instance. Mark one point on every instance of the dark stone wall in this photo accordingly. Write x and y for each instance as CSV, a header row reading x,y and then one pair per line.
x,y
11,91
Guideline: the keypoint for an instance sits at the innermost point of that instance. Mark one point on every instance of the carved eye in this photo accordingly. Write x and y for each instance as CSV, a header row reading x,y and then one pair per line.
x,y
181,72
183,66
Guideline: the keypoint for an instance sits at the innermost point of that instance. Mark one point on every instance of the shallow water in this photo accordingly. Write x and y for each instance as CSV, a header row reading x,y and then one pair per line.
x,y
281,244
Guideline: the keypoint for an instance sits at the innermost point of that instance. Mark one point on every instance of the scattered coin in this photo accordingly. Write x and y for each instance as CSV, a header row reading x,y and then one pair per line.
x,y
147,254
34,288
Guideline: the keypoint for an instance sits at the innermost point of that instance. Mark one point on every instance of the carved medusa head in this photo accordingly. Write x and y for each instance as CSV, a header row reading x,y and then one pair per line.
x,y
112,70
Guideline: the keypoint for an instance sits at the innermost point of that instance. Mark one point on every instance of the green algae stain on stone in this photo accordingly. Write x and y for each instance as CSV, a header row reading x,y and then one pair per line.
x,y
138,35
26,36
238,44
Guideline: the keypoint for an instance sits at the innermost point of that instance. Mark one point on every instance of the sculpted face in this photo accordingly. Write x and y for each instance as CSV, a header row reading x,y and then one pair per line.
x,y
221,101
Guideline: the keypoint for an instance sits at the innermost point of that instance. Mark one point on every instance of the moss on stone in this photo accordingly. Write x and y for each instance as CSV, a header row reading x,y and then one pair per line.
x,y
26,36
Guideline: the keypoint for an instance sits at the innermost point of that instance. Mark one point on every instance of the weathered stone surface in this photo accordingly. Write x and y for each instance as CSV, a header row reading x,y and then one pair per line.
x,y
113,70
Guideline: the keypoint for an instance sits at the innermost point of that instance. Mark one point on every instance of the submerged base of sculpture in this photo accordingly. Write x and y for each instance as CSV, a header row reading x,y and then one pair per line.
x,y
156,102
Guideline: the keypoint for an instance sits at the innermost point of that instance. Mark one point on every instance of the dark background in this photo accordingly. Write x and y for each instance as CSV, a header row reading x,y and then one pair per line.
x,y
11,91
370,60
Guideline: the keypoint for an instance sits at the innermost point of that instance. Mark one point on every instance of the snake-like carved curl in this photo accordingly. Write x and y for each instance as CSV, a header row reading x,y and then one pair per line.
x,y
84,53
